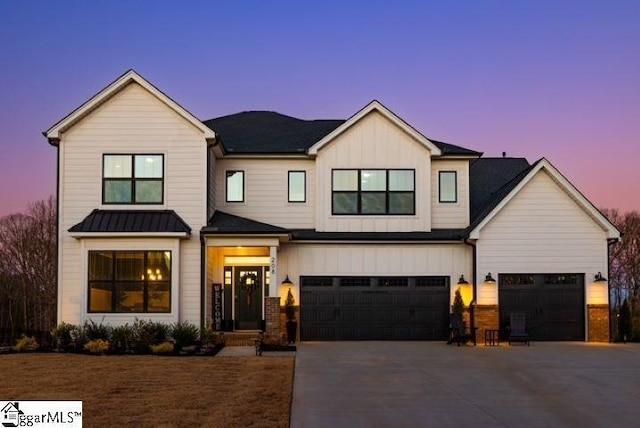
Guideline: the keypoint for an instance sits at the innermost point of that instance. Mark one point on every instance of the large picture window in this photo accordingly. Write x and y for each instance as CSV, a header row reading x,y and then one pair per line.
x,y
373,191
130,281
297,186
235,186
133,179
448,186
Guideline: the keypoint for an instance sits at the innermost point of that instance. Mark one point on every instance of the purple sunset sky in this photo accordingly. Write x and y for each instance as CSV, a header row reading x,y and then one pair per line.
x,y
533,79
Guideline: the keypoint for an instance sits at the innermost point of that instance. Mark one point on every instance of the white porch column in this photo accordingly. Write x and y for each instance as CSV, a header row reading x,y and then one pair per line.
x,y
273,266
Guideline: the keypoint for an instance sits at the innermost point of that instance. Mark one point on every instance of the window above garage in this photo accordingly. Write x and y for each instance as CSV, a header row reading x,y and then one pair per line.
x,y
373,192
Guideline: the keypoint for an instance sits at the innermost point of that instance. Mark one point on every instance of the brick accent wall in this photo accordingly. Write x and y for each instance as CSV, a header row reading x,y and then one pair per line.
x,y
272,321
598,319
487,318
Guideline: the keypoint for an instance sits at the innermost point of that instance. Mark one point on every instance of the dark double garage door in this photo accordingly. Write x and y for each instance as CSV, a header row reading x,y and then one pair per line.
x,y
553,304
374,308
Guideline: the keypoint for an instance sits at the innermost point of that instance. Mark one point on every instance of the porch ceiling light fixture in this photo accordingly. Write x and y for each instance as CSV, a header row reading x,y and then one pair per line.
x,y
600,278
462,280
489,279
287,282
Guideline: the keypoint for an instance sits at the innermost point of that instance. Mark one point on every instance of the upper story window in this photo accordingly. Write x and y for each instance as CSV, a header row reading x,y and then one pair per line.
x,y
133,179
129,281
235,186
297,186
373,191
448,186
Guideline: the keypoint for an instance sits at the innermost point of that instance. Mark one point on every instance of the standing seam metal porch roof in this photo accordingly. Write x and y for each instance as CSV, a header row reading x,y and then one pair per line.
x,y
132,221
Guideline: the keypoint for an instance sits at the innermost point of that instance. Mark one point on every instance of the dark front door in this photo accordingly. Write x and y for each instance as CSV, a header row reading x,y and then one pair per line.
x,y
553,304
248,286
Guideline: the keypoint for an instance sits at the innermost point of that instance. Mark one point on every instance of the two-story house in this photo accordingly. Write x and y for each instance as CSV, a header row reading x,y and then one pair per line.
x,y
372,225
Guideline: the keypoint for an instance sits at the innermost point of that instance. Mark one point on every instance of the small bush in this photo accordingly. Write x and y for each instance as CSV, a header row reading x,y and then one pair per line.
x,y
67,337
95,331
98,346
458,304
26,343
122,337
289,306
163,348
184,334
147,333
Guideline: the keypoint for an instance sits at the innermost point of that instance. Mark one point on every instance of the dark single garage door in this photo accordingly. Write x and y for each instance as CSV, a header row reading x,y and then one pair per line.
x,y
374,308
553,304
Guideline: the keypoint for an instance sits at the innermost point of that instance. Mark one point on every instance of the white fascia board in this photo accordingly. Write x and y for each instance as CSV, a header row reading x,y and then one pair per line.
x,y
53,133
377,106
561,180
86,235
237,240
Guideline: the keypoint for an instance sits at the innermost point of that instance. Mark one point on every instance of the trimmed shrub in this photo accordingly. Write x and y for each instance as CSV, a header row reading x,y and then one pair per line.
x,y
97,346
94,331
122,337
67,337
458,304
184,334
147,333
26,343
163,348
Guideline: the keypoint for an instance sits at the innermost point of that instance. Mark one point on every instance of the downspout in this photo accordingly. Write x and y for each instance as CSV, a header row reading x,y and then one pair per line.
x,y
203,286
55,142
472,304
58,312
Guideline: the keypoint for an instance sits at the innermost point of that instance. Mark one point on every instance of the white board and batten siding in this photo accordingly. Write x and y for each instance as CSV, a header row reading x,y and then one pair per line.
x,y
542,230
345,259
132,121
450,215
266,191
373,142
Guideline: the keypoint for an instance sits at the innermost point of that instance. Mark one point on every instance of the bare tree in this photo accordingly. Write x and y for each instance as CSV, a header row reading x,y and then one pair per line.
x,y
28,269
624,274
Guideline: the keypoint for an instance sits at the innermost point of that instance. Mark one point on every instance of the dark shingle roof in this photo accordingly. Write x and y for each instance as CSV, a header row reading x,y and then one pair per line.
x,y
490,180
269,132
222,222
453,150
144,221
254,132
434,235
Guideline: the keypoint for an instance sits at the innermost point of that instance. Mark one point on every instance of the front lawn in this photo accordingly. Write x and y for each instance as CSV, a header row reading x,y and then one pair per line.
x,y
152,391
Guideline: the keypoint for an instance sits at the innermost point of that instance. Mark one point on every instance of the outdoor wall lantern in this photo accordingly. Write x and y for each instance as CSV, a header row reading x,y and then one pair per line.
x,y
287,282
462,280
489,279
600,278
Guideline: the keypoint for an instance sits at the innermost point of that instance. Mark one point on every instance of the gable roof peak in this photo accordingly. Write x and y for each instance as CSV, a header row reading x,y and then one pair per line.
x,y
389,115
53,134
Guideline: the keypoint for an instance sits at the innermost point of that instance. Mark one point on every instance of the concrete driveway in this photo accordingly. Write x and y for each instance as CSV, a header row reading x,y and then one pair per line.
x,y
412,384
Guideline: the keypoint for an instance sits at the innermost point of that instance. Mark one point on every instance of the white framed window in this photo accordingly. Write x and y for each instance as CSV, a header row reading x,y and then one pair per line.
x,y
448,186
132,179
234,186
297,186
129,282
373,192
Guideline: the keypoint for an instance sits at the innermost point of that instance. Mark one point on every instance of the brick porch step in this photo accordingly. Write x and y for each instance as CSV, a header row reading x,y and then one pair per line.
x,y
241,338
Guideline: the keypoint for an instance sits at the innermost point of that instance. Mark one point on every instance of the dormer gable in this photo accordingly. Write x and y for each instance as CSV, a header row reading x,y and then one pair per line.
x,y
375,106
